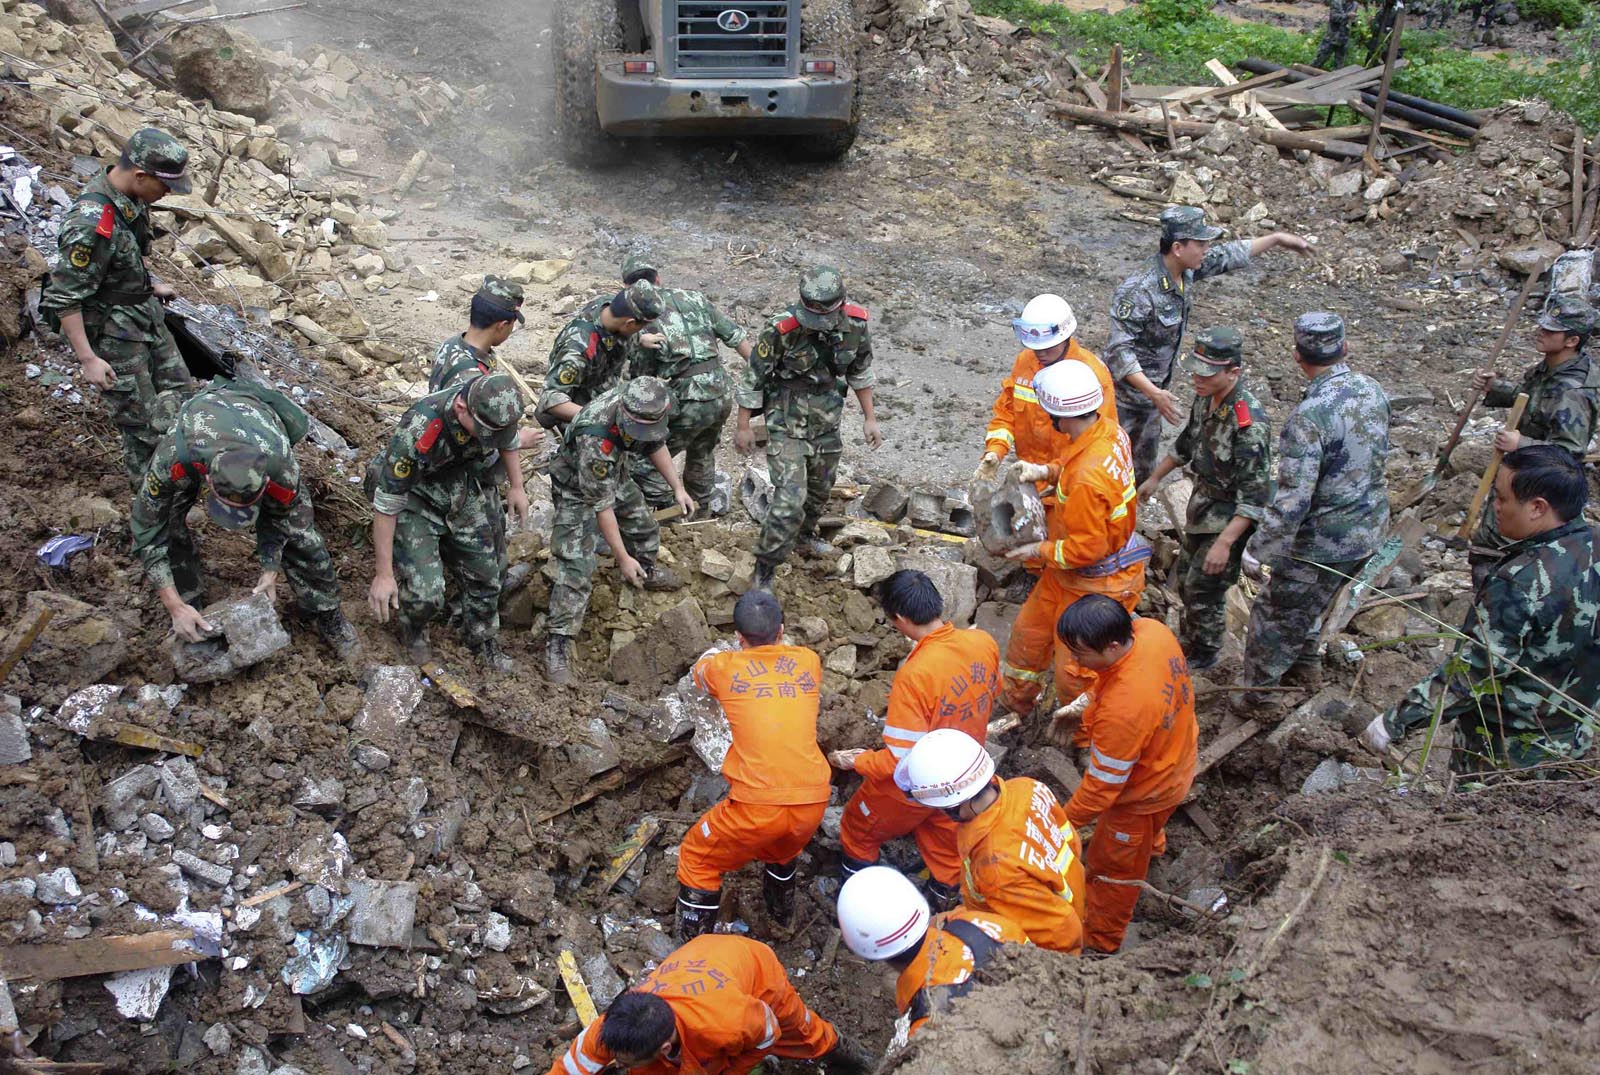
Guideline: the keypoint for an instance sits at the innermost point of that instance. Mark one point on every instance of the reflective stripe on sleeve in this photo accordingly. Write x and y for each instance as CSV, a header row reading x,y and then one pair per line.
x,y
772,1030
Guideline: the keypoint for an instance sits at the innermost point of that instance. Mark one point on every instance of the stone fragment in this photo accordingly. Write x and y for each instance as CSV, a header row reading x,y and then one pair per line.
x,y
321,793
80,645
248,632
392,694
539,272
809,630
871,566
1330,775
210,64
496,931
925,509
842,660
322,860
862,533
81,709
1381,187
120,797
887,501
57,886
596,753
156,827
1526,258
195,866
218,1038
180,784
716,565
15,747
383,914
92,513
1345,184
370,758
367,265
604,982
139,993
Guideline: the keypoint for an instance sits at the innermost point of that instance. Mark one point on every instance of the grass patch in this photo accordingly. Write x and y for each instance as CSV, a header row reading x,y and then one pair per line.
x,y
1170,41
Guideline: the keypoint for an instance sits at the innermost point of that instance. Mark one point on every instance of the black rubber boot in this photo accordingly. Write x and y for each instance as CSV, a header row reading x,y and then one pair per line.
x,y
493,658
558,659
418,649
847,1057
777,891
943,897
764,573
338,633
697,912
849,867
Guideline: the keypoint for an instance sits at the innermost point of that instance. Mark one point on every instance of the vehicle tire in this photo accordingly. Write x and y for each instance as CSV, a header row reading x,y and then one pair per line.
x,y
831,26
581,30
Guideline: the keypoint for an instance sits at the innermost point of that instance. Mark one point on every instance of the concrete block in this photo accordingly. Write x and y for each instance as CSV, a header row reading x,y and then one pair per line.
x,y
248,633
14,745
714,564
82,708
320,793
871,566
322,860
957,584
209,872
121,796
180,784
156,827
57,886
383,914
887,501
392,694
925,509
139,993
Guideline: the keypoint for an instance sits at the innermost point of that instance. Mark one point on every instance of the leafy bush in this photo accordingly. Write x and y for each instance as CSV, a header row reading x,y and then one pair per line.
x,y
1184,12
1567,13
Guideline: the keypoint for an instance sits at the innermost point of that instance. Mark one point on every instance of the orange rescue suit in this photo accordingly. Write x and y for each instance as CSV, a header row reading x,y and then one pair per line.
x,y
1141,732
1022,858
948,957
1090,547
948,681
1021,427
733,1005
778,779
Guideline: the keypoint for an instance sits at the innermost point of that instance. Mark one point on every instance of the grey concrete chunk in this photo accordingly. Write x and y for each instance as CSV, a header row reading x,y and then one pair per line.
x,y
596,753
14,745
319,793
496,931
926,509
604,982
322,860
383,914
139,993
57,886
195,866
8,854
248,632
957,584
156,827
218,1039
8,1011
871,565
393,692
887,501
82,708
370,758
180,784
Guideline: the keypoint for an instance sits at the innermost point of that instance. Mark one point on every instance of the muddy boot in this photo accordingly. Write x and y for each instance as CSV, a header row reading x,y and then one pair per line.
x,y
763,579
848,1057
418,649
697,912
943,897
1305,673
558,659
849,867
814,547
339,633
777,891
658,579
493,658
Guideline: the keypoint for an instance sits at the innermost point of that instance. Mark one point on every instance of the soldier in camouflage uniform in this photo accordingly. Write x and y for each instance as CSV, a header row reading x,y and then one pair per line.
x,y
702,391
1523,684
431,511
1227,446
1563,402
234,442
1336,39
1148,314
495,313
107,304
1330,511
804,362
595,493
591,350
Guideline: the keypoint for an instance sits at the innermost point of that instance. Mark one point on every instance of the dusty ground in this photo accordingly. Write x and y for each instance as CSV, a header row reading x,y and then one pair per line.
x,y
961,200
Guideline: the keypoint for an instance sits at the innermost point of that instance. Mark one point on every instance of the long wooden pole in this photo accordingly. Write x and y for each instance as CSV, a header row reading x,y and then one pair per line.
x,y
1390,55
1134,123
1487,482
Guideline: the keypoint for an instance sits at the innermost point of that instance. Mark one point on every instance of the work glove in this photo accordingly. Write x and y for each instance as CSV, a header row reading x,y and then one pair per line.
x,y
1254,568
988,468
1024,473
1376,735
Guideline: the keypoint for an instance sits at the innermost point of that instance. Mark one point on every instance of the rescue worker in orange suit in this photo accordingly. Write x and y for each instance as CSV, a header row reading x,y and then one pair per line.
x,y
1139,727
883,917
948,681
1020,427
720,1004
778,780
1020,856
1090,545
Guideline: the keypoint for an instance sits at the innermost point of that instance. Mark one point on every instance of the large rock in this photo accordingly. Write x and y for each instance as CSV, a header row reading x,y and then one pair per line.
x,y
383,914
871,566
887,501
957,583
393,691
81,645
248,632
679,635
210,64
1528,257
1007,515
14,745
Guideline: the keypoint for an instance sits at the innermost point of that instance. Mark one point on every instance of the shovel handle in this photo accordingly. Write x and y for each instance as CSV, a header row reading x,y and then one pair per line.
x,y
1487,482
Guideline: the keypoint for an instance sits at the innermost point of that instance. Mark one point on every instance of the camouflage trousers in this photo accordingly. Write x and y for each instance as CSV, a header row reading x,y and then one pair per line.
x,y
572,538
1336,41
1287,618
462,542
304,556
1485,745
1203,620
693,428
1141,421
802,477
144,371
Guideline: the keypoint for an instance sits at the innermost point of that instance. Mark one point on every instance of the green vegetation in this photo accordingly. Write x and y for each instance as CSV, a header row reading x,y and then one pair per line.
x,y
1170,41
1567,13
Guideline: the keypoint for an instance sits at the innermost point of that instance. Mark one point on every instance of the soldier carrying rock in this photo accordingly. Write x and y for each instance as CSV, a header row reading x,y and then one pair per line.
x,y
702,391
804,362
595,493
106,303
234,442
431,508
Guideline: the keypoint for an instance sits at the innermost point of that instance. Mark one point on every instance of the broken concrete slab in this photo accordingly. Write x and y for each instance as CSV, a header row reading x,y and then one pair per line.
x,y
383,914
687,702
139,993
393,692
195,866
957,583
156,827
887,501
121,796
596,753
247,632
15,747
58,886
79,646
605,984
322,860
1007,515
180,784
81,709
320,793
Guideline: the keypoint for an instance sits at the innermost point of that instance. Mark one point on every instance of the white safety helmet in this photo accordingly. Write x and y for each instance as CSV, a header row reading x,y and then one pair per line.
x,y
1046,321
1068,389
881,913
946,768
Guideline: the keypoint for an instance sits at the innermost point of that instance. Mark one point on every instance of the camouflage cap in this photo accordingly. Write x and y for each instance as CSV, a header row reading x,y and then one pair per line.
x,y
162,155
640,267
639,300
502,296
1319,337
1568,314
496,407
645,406
1187,222
1215,350
238,481
821,298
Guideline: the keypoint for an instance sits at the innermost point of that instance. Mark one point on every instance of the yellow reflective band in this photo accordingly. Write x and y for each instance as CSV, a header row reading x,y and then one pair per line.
x,y
968,883
1012,672
1060,557
1024,393
1001,434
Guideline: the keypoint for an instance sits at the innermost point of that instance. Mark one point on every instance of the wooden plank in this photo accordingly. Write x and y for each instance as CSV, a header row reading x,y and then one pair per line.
x,y
450,686
1114,80
631,849
1097,97
272,893
1221,72
99,955
1223,745
25,643
131,735
1202,820
582,1002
